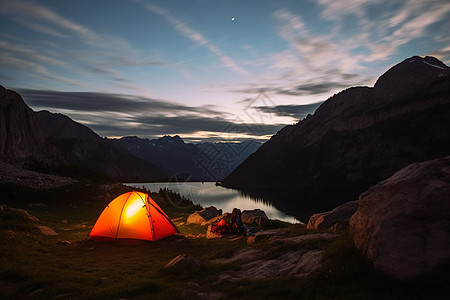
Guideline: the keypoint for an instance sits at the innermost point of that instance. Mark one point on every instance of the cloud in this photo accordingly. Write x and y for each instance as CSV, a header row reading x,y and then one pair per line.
x,y
336,9
443,54
385,26
312,64
122,115
103,102
34,11
102,55
295,111
15,57
195,36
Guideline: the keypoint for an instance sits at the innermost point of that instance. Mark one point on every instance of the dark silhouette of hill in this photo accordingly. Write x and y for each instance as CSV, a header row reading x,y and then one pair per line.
x,y
83,148
361,135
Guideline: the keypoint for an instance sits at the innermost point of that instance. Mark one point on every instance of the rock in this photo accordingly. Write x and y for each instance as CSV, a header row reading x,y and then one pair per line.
x,y
212,235
255,216
22,213
46,230
243,255
336,219
309,262
183,262
267,234
204,215
226,216
305,237
64,243
293,263
255,265
402,223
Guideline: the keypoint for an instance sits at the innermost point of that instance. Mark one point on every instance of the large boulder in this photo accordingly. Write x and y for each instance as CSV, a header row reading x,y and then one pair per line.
x,y
402,223
204,215
255,216
336,219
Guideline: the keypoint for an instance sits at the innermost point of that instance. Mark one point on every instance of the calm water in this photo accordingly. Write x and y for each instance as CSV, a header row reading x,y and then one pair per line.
x,y
207,194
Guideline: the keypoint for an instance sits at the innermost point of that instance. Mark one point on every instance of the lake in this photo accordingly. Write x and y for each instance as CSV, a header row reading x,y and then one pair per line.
x,y
208,194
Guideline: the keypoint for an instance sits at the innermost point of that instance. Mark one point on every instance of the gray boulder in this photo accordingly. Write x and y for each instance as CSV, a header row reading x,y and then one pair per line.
x,y
204,215
336,219
402,223
255,216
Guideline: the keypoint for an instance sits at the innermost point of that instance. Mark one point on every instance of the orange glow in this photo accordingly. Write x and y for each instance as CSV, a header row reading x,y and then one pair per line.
x,y
133,215
132,207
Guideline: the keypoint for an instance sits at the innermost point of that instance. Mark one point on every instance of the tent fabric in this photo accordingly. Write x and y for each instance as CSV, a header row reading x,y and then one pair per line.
x,y
133,215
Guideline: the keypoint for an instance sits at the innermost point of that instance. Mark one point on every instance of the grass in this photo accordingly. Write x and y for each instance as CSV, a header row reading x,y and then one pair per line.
x,y
36,266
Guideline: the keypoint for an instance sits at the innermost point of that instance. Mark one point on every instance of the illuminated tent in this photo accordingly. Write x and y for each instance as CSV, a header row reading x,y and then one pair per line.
x,y
133,215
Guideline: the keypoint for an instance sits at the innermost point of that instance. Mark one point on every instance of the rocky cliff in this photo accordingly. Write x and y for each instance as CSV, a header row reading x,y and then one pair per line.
x,y
361,135
20,136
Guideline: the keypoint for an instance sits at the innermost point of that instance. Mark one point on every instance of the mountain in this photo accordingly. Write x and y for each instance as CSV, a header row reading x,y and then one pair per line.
x,y
221,158
196,162
84,149
19,136
361,135
169,152
59,126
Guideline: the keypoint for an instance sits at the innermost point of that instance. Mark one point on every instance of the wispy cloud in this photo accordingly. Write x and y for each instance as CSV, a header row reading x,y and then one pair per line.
x,y
15,56
295,111
311,65
86,61
36,12
395,24
188,32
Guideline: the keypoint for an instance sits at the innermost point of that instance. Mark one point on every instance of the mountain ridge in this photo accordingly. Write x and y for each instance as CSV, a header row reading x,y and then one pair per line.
x,y
360,135
195,162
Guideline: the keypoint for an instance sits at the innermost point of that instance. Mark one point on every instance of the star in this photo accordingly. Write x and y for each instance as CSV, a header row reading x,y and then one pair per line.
x,y
232,19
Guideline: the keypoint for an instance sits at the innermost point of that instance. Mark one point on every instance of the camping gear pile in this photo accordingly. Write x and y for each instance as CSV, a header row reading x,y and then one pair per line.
x,y
236,227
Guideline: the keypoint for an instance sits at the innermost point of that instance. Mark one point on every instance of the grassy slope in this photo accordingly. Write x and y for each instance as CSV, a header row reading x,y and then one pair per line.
x,y
33,264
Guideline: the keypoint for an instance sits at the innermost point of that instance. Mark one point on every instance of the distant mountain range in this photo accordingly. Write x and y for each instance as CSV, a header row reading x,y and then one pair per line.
x,y
51,142
361,135
186,161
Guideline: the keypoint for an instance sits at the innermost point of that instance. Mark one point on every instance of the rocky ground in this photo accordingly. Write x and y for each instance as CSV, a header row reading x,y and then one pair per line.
x,y
11,174
399,225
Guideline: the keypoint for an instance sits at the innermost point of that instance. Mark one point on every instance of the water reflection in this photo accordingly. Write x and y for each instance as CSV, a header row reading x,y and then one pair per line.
x,y
306,201
286,204
207,194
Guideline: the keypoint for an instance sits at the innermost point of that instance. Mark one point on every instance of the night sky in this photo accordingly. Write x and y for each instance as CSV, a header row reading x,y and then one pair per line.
x,y
206,69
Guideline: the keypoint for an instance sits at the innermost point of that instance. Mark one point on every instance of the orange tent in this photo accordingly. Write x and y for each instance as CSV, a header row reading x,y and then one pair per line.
x,y
133,215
